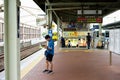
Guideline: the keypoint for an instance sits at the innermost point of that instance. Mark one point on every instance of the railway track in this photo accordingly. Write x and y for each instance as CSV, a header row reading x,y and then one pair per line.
x,y
24,52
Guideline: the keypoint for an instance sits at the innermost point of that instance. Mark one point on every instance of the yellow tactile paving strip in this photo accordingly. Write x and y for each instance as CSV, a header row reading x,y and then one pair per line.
x,y
77,50
31,65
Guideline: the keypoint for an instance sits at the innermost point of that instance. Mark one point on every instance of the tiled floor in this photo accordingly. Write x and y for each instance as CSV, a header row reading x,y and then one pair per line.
x,y
78,65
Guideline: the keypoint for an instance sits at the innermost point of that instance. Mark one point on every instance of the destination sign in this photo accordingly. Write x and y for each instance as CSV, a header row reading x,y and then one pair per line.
x,y
89,19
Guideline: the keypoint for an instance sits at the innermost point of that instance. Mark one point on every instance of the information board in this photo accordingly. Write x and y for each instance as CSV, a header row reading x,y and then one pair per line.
x,y
117,41
114,42
50,33
74,34
111,41
89,20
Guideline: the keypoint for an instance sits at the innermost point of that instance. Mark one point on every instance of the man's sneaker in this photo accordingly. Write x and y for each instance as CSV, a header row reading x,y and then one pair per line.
x,y
45,70
50,71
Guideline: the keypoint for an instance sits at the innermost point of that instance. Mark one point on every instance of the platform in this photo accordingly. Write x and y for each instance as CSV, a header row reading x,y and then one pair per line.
x,y
27,64
78,65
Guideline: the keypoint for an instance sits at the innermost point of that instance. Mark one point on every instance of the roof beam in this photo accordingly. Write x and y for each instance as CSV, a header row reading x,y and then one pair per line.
x,y
79,3
77,8
69,8
53,10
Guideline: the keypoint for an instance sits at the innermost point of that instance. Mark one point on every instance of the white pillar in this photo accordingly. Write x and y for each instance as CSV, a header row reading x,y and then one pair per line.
x,y
58,25
49,18
23,32
100,31
11,46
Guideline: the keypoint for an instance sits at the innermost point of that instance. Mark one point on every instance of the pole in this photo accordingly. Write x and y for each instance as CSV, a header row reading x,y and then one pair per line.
x,y
110,58
58,25
11,43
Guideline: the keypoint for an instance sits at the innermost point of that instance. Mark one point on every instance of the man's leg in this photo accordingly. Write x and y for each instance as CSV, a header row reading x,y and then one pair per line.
x,y
47,66
51,66
88,45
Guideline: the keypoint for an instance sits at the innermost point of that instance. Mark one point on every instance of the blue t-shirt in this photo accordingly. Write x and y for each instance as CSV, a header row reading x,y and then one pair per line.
x,y
51,46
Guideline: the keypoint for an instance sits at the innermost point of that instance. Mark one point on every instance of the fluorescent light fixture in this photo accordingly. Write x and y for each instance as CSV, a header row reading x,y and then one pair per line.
x,y
89,12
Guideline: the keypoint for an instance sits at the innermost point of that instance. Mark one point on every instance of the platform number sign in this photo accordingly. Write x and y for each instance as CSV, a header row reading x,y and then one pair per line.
x,y
50,33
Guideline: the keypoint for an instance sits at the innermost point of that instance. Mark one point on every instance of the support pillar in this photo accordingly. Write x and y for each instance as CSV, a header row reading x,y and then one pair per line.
x,y
11,40
58,25
49,18
49,14
100,32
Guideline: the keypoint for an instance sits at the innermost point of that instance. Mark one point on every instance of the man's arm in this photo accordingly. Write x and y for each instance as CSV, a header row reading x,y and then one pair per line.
x,y
50,46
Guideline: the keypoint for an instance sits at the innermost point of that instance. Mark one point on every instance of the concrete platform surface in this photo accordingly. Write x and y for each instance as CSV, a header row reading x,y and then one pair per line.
x,y
78,65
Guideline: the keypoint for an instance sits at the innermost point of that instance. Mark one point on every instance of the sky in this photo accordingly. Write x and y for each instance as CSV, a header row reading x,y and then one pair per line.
x,y
29,12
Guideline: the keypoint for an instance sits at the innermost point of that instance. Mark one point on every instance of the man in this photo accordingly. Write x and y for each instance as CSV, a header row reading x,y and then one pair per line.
x,y
88,37
49,53
62,42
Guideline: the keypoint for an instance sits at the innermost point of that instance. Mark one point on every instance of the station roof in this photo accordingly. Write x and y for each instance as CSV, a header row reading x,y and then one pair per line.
x,y
67,9
113,25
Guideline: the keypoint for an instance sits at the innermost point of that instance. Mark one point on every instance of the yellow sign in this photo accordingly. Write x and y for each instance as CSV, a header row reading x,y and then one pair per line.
x,y
53,26
74,34
55,36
